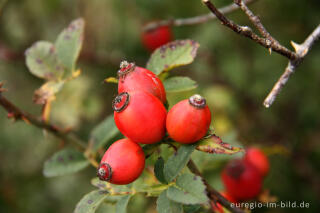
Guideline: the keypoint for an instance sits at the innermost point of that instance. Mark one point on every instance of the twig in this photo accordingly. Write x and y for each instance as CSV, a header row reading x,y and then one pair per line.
x,y
18,114
247,32
301,51
212,193
192,20
256,21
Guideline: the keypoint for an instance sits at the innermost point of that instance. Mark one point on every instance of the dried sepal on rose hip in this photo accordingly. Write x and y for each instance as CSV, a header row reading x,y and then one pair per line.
x,y
242,181
154,38
188,121
122,163
258,159
140,116
134,78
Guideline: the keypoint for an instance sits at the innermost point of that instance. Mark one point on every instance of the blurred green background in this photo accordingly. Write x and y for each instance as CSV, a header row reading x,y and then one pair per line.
x,y
233,73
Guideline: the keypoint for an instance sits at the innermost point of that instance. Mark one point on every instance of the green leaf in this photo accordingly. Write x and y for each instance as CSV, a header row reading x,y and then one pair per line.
x,y
164,205
158,170
112,188
171,55
69,43
215,145
47,91
42,61
90,202
179,84
191,208
122,204
189,189
103,133
177,162
66,161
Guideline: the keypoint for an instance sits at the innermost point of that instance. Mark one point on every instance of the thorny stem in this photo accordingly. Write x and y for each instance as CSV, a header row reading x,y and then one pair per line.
x,y
301,51
295,58
256,21
18,114
213,194
192,20
247,32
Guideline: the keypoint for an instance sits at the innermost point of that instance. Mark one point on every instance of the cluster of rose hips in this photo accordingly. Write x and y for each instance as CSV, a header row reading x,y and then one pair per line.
x,y
140,115
243,178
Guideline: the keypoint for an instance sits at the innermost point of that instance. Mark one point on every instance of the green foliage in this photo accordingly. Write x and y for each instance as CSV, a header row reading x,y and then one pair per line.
x,y
66,161
55,62
122,204
42,61
158,170
91,201
179,84
189,189
69,43
177,162
164,205
103,133
171,55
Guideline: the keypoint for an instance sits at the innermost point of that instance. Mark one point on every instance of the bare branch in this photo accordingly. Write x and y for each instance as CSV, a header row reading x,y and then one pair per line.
x,y
301,51
247,32
256,21
214,195
16,113
193,20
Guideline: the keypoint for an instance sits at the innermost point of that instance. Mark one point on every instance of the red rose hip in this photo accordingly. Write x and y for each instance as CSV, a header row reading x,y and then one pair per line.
x,y
258,159
134,78
154,38
140,116
241,180
122,163
189,120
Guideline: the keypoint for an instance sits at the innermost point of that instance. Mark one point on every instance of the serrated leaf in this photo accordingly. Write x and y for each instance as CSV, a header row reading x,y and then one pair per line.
x,y
215,145
158,170
122,204
164,205
66,161
42,61
179,84
177,162
90,202
171,55
189,189
112,188
69,43
103,133
47,91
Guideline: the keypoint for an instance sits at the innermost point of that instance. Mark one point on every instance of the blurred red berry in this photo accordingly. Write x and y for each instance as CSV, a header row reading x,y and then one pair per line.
x,y
155,38
218,207
258,159
241,180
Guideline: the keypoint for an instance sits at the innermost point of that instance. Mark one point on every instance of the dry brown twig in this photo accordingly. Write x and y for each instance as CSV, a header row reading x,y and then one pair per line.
x,y
301,51
192,20
267,41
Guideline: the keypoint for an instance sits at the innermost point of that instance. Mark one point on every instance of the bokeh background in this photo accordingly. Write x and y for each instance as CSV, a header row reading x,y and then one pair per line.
x,y
233,73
